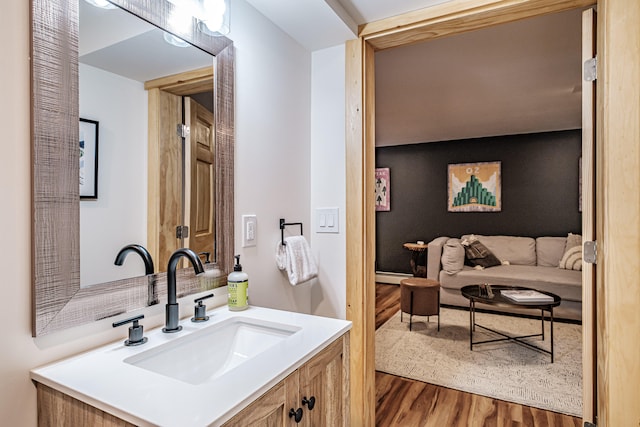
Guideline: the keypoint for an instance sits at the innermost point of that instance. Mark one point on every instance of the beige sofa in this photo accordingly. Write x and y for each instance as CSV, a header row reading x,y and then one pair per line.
x,y
526,261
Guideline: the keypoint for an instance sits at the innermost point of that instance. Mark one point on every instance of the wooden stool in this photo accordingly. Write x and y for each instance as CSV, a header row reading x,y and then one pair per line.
x,y
421,297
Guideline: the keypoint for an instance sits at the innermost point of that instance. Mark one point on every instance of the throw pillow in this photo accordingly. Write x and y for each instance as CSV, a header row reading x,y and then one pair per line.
x,y
572,259
572,241
478,254
452,257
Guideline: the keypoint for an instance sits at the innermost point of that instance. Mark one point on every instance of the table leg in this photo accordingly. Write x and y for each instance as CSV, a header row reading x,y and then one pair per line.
x,y
542,321
471,324
551,322
438,309
474,315
418,270
410,309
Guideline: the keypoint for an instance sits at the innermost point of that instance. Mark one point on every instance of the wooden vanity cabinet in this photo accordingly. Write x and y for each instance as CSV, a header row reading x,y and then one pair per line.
x,y
56,409
325,378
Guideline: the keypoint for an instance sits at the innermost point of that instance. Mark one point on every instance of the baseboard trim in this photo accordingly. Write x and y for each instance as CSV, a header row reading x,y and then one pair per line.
x,y
389,277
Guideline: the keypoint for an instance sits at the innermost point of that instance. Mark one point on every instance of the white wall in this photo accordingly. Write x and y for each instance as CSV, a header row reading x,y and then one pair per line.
x,y
119,216
272,150
273,119
328,297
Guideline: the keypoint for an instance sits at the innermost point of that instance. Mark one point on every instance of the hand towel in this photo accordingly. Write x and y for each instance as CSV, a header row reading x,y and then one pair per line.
x,y
295,257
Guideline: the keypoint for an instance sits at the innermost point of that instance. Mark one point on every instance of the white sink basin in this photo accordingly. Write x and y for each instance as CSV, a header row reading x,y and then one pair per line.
x,y
211,352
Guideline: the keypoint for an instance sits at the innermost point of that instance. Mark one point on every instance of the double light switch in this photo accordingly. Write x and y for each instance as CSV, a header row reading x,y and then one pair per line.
x,y
327,220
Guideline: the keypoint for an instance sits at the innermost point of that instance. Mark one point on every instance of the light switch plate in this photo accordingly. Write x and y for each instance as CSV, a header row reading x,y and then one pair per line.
x,y
327,220
249,231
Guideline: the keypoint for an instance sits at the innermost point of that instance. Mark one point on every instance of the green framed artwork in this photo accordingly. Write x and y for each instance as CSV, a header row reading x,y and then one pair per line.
x,y
475,187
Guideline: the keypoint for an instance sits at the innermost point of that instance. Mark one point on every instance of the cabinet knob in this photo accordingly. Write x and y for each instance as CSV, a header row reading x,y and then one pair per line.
x,y
311,402
296,414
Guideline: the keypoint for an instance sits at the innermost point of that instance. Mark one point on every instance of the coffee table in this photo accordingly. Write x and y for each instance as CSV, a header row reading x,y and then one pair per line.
x,y
473,294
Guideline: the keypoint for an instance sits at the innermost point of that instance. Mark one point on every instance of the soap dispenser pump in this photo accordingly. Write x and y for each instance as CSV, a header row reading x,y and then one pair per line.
x,y
238,288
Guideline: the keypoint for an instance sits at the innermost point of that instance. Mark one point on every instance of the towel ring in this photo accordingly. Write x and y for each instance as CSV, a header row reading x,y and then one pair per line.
x,y
283,224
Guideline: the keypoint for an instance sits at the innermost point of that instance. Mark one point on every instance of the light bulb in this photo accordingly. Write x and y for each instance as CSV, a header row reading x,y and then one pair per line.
x,y
103,4
214,17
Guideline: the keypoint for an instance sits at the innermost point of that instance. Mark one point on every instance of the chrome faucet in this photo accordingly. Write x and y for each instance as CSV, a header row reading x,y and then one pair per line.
x,y
172,309
140,250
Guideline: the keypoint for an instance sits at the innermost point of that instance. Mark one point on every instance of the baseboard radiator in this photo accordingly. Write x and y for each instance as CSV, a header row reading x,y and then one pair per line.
x,y
389,277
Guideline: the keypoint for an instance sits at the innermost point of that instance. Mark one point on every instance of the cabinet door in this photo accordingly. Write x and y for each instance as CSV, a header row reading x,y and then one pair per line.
x,y
272,408
325,379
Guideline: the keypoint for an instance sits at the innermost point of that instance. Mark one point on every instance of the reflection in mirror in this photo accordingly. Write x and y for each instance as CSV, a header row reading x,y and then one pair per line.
x,y
118,54
58,300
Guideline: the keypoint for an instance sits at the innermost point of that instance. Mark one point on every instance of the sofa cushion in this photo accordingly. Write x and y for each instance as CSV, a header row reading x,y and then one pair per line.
x,y
572,259
565,283
549,250
572,240
516,250
452,256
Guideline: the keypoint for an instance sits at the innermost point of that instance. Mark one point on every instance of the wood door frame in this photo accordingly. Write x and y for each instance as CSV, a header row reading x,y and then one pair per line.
x,y
617,207
219,80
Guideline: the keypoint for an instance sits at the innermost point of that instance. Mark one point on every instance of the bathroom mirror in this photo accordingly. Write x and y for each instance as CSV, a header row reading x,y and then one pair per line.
x,y
58,300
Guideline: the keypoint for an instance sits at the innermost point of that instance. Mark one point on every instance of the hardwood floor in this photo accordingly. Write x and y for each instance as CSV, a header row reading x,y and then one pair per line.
x,y
408,403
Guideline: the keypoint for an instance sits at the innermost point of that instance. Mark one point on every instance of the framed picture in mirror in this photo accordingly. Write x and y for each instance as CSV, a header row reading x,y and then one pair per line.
x,y
88,159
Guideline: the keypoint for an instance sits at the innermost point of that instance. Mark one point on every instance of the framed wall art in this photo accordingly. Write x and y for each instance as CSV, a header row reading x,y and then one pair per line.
x,y
475,187
88,159
383,189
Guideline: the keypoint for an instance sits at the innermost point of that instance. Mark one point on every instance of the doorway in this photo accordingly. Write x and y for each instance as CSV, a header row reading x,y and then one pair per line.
x,y
431,23
181,164
456,81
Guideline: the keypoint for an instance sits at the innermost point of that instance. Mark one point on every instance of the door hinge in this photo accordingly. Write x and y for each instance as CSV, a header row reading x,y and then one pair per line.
x,y
182,130
182,232
590,252
591,69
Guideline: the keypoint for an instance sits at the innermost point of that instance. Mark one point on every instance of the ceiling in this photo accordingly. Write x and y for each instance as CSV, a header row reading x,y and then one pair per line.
x,y
514,78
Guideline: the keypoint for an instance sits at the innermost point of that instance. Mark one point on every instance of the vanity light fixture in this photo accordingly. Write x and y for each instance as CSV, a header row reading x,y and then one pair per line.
x,y
214,18
103,4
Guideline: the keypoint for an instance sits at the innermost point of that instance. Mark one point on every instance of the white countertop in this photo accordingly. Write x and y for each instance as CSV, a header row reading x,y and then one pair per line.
x,y
102,379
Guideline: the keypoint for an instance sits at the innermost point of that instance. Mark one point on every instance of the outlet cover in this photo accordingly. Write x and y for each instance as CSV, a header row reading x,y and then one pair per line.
x,y
249,231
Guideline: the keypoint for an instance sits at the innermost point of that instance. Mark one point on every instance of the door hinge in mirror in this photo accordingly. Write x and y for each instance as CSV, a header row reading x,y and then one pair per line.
x,y
182,130
590,252
591,69
182,232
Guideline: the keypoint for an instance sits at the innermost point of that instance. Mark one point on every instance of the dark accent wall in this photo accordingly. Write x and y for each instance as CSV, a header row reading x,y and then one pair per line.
x,y
539,191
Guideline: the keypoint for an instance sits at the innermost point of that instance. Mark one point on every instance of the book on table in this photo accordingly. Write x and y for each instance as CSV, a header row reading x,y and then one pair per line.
x,y
526,295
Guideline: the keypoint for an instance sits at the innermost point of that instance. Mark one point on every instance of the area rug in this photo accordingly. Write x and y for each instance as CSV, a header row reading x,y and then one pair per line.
x,y
505,370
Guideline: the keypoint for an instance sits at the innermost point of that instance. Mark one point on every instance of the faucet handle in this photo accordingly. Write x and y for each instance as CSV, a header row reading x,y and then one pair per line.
x,y
200,310
136,331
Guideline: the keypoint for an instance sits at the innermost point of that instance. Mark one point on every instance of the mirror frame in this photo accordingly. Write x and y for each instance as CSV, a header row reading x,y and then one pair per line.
x,y
58,302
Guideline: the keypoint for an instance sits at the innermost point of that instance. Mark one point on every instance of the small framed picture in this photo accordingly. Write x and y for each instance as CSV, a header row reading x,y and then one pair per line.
x,y
88,159
383,190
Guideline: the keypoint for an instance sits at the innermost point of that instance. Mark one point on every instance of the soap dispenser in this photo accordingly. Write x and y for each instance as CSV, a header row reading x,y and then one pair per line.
x,y
238,288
